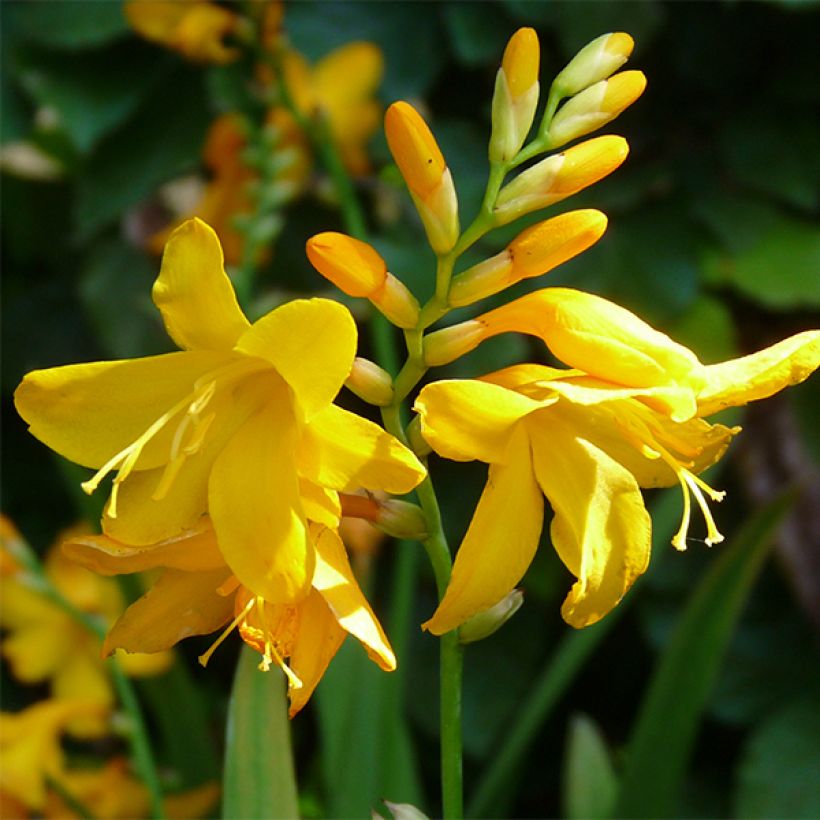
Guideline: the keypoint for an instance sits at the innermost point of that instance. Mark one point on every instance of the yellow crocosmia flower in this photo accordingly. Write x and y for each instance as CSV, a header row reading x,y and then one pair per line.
x,y
197,593
357,269
30,750
194,28
222,425
416,152
44,643
341,88
535,251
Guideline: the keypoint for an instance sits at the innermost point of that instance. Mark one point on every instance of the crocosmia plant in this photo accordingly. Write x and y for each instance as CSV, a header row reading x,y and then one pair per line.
x,y
291,465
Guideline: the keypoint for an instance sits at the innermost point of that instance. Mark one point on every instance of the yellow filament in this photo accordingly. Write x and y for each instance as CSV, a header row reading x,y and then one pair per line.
x,y
206,656
712,534
679,539
271,654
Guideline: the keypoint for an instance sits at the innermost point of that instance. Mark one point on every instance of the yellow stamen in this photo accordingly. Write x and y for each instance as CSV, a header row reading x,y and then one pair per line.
x,y
206,656
679,539
712,534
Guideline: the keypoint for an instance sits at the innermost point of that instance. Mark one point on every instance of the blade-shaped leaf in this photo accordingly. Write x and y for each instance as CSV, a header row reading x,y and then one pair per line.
x,y
590,785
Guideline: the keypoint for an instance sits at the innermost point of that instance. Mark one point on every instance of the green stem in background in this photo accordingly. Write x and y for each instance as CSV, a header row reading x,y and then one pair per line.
x,y
35,577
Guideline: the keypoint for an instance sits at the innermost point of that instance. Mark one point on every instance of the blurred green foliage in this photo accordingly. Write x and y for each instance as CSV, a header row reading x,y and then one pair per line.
x,y
713,237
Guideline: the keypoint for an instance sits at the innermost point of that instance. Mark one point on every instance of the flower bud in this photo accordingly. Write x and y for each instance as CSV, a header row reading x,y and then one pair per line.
x,y
516,95
447,345
426,173
370,383
595,61
357,269
595,106
401,519
559,176
418,444
485,623
533,252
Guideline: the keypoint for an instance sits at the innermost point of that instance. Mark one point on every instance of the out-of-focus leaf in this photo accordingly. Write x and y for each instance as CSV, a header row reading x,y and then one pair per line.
x,y
708,329
465,147
590,784
76,25
407,33
667,723
259,779
115,288
93,92
780,269
777,773
478,36
162,140
737,220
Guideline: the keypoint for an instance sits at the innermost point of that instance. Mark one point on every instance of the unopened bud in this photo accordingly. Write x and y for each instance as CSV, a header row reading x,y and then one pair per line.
x,y
516,95
559,176
491,620
595,61
401,519
401,811
595,106
357,269
533,252
418,444
370,383
426,173
447,345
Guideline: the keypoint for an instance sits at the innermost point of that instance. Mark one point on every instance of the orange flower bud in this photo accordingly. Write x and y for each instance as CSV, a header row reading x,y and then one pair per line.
x,y
560,176
594,62
533,252
426,173
595,106
357,269
516,95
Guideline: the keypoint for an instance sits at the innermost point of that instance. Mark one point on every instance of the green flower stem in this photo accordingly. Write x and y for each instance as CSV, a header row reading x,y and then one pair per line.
x,y
35,576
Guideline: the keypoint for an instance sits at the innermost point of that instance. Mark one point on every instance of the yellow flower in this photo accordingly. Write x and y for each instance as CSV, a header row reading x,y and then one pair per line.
x,y
30,748
197,593
628,415
44,643
195,28
239,424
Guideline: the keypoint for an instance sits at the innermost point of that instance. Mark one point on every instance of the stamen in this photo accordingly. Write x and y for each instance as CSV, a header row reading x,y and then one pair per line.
x,y
271,654
198,436
206,656
679,539
712,534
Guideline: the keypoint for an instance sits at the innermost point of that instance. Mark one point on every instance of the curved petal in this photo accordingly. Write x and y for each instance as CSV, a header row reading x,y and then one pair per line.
x,y
335,581
343,451
601,529
500,542
83,677
193,550
761,374
320,505
318,640
256,508
193,292
311,343
90,412
464,420
180,604
347,75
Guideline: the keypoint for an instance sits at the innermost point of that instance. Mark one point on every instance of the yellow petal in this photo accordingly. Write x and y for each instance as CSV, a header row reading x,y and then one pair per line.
x,y
343,451
601,529
464,420
320,505
319,638
191,550
348,74
256,508
761,374
311,343
335,581
35,652
193,292
180,604
500,542
83,677
90,412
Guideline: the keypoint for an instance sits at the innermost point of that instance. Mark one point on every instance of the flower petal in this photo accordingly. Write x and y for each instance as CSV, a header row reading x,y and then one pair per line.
x,y
500,542
334,579
90,412
311,343
761,374
464,420
83,677
601,530
320,505
255,505
180,604
192,550
343,451
193,292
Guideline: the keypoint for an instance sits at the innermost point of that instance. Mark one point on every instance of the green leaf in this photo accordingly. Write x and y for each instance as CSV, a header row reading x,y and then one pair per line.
x,y
477,37
76,25
259,779
590,785
777,774
683,680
